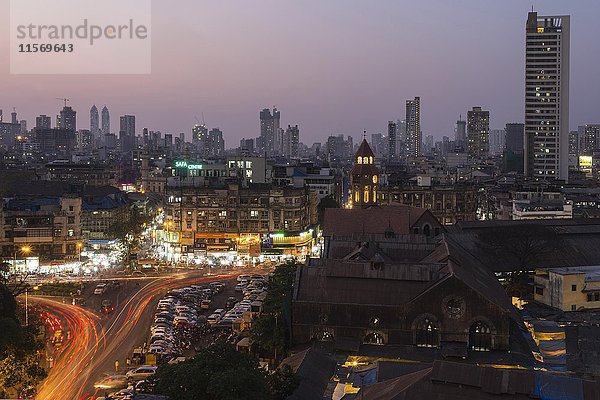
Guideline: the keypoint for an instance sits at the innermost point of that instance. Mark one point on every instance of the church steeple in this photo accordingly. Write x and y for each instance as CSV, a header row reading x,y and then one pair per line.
x,y
364,177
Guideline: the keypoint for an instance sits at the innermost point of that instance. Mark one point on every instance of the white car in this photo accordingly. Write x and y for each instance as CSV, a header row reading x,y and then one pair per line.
x,y
100,288
141,372
213,319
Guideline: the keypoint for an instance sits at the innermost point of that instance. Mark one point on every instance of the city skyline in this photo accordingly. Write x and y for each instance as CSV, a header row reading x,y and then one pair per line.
x,y
345,47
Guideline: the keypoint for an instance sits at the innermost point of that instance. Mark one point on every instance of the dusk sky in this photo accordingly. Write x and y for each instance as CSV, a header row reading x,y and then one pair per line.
x,y
330,66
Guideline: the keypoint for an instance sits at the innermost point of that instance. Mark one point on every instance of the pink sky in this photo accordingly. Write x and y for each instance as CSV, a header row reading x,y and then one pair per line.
x,y
330,66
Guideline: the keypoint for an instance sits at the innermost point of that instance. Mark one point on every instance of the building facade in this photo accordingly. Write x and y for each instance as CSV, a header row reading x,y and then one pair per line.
x,y
253,219
50,227
364,177
413,127
478,133
547,52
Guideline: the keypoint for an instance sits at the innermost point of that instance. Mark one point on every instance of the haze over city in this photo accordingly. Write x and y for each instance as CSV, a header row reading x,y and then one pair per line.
x,y
331,67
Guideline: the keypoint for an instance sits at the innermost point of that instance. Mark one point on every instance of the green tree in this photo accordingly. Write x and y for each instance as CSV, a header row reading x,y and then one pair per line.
x,y
219,372
19,347
128,231
282,383
271,332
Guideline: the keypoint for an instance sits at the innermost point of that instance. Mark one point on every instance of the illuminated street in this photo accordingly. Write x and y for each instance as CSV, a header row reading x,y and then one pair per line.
x,y
95,343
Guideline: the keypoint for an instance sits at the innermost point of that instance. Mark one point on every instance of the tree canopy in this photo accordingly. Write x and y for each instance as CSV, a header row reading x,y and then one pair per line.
x,y
271,331
19,362
219,372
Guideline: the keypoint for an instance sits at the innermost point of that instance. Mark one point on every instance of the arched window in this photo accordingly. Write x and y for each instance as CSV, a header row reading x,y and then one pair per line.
x,y
427,333
427,230
365,160
366,199
374,338
371,160
480,337
357,196
374,195
359,160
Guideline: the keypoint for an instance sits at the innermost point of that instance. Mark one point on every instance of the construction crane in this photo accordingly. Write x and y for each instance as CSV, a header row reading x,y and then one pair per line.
x,y
63,99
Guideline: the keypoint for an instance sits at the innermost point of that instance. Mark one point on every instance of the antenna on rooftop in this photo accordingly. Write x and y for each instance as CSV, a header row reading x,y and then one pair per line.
x,y
63,99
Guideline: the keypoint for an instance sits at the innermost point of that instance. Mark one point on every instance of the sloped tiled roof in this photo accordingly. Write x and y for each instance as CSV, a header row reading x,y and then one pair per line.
x,y
371,220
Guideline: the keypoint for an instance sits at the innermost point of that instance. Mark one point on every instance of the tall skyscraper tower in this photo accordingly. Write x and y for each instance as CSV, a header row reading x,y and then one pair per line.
x,y
105,121
200,138
291,141
43,121
478,133
413,127
547,52
460,134
127,133
94,123
68,119
392,140
269,125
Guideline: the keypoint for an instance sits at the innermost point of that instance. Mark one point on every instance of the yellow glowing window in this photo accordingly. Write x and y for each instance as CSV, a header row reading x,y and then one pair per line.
x,y
359,160
365,160
366,196
370,160
540,30
374,195
374,178
357,197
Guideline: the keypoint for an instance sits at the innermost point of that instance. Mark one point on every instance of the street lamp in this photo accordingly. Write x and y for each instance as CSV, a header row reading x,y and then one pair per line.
x,y
79,247
24,250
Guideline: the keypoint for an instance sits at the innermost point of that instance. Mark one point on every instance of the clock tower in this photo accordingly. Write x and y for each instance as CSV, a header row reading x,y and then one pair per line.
x,y
364,177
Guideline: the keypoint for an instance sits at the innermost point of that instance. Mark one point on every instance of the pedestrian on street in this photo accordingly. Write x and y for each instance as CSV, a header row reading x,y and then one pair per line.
x,y
117,366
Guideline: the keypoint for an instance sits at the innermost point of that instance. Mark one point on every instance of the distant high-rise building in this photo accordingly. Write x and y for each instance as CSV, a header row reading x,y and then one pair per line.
x,y
497,141
590,140
392,140
574,143
85,140
514,137
127,133
216,146
547,49
168,141
478,130
291,141
105,121
13,118
200,138
23,124
269,125
460,134
413,127
429,144
379,145
43,121
95,122
68,119
247,146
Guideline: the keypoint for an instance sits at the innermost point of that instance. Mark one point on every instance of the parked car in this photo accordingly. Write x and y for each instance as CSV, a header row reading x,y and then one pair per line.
x,y
205,305
142,372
